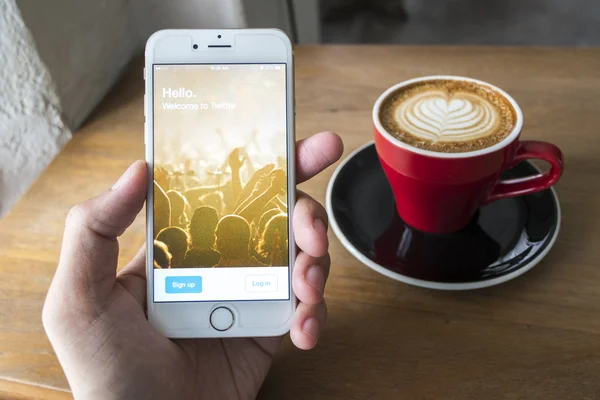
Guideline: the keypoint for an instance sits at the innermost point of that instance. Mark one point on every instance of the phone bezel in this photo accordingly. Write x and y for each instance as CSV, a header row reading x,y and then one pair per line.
x,y
257,46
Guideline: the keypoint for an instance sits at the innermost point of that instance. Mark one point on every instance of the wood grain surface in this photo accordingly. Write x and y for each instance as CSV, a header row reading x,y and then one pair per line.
x,y
537,337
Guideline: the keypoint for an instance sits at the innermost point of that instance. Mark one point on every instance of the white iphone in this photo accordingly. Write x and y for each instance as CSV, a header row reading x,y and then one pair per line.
x,y
220,148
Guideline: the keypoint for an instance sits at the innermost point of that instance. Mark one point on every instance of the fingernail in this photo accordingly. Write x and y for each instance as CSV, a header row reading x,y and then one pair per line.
x,y
123,177
320,226
311,327
315,278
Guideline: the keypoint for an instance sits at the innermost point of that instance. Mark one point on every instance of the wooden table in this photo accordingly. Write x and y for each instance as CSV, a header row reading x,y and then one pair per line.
x,y
537,337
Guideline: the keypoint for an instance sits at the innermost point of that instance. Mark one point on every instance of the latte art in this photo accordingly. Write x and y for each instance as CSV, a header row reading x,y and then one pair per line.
x,y
440,116
450,116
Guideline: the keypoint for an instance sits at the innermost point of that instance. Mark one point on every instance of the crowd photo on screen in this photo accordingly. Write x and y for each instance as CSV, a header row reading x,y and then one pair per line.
x,y
232,216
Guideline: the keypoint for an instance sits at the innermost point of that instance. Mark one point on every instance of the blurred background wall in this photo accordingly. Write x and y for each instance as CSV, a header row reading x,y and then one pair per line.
x,y
463,22
61,57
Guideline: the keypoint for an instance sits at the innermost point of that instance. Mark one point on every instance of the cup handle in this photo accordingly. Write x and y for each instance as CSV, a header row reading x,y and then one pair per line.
x,y
529,149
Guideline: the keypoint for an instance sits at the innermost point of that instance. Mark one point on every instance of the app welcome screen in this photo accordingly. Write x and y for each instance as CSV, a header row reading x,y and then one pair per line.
x,y
220,182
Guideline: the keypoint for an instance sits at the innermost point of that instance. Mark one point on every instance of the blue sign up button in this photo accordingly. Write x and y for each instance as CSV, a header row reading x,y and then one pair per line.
x,y
183,284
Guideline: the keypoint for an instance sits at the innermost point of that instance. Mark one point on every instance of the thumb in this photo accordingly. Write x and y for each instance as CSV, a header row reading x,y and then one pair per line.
x,y
133,277
87,268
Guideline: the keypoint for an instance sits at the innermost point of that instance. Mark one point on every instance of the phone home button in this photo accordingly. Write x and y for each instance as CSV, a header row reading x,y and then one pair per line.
x,y
221,319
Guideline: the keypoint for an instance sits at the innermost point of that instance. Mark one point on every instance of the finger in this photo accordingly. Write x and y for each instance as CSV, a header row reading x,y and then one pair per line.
x,y
88,261
308,325
316,153
309,277
266,170
133,277
310,226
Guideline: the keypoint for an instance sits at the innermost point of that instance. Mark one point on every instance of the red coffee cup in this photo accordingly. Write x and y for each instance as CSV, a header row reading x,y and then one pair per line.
x,y
441,192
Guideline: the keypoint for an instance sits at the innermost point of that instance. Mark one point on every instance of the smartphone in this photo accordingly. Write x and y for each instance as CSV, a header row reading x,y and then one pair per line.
x,y
220,146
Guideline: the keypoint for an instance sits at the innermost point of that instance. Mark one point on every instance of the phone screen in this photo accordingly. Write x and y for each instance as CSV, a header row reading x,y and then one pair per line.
x,y
220,182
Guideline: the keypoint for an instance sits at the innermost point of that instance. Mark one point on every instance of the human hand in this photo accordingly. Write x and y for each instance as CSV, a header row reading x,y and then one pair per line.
x,y
95,320
278,181
161,177
259,181
263,184
266,169
235,159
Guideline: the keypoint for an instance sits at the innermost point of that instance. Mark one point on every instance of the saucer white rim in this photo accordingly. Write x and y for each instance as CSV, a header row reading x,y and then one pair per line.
x,y
419,282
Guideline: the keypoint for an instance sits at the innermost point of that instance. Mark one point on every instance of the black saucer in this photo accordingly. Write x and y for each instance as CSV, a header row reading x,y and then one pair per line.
x,y
506,238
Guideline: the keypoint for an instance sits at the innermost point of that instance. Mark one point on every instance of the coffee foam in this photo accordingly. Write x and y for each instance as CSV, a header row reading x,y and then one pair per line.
x,y
448,116
441,116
